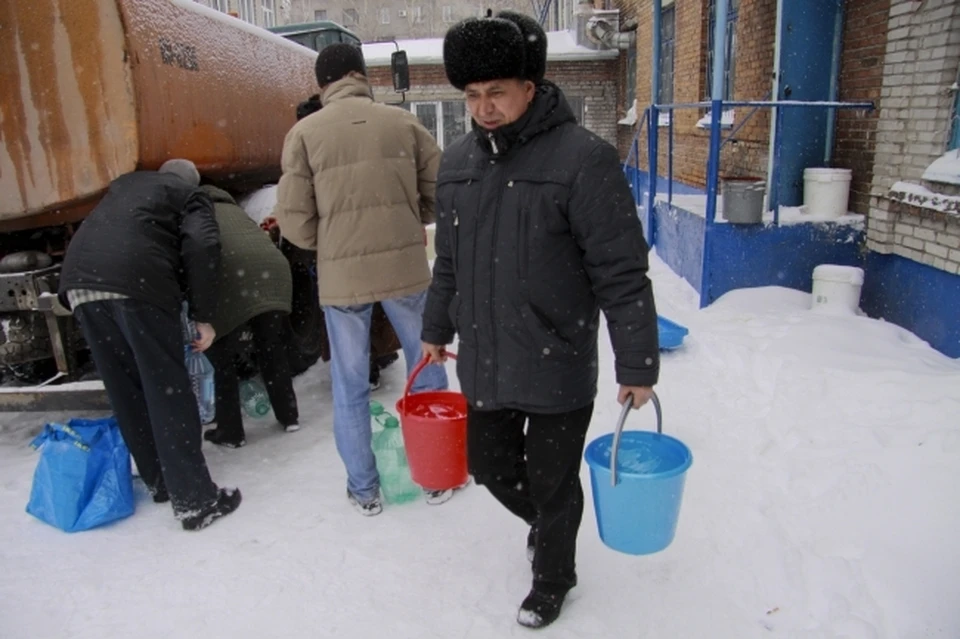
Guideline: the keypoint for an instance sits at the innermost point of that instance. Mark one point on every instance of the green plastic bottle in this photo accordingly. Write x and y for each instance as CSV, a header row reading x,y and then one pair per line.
x,y
396,486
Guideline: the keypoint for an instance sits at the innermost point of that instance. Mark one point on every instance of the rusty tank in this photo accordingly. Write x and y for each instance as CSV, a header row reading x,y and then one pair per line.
x,y
92,89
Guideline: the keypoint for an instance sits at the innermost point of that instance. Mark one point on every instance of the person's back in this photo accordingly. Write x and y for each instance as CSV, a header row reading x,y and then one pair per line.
x,y
371,170
132,242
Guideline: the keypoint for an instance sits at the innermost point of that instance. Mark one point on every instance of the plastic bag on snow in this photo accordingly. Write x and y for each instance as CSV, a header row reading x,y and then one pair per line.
x,y
83,477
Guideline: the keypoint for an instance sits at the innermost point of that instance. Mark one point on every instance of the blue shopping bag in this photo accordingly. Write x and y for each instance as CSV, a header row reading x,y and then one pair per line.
x,y
83,477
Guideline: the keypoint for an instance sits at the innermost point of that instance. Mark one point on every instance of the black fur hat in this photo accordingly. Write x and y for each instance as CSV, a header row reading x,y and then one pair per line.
x,y
535,44
485,49
337,60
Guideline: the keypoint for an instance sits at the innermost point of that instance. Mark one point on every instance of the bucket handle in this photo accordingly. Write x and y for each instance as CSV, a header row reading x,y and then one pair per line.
x,y
627,407
416,371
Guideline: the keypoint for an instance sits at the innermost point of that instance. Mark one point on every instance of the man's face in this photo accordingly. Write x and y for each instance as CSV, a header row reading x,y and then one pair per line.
x,y
498,102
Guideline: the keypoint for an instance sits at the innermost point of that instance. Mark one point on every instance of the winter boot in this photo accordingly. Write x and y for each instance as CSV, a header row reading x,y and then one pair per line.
x,y
542,606
228,499
220,437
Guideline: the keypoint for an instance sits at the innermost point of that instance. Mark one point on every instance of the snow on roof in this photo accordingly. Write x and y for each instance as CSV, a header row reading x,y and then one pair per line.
x,y
561,46
923,197
945,169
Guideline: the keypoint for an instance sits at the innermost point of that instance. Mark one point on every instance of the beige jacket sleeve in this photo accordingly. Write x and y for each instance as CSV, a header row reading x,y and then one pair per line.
x,y
296,209
428,164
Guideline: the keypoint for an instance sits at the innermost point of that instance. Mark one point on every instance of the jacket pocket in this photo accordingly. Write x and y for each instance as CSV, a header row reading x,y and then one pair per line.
x,y
545,337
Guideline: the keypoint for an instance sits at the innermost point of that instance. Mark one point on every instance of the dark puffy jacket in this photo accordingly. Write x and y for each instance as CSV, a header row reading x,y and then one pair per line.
x,y
152,237
537,231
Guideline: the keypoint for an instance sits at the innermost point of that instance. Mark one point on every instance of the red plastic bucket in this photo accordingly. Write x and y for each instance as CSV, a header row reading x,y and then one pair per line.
x,y
434,427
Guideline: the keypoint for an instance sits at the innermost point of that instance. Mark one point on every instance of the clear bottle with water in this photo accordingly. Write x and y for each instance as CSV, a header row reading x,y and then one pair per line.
x,y
199,369
395,483
254,399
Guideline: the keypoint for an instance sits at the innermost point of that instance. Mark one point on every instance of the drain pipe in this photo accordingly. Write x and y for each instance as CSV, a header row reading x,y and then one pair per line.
x,y
774,113
604,32
834,86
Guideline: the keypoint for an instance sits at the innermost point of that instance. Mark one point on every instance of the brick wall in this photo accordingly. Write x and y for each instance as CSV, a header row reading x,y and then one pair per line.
x,y
913,128
861,80
597,82
747,153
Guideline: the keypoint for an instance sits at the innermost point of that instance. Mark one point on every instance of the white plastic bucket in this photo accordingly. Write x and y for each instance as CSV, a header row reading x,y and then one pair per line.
x,y
826,192
836,289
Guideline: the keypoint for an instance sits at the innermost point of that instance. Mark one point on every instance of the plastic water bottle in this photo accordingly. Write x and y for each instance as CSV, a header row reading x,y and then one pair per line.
x,y
201,380
253,398
199,369
395,483
379,414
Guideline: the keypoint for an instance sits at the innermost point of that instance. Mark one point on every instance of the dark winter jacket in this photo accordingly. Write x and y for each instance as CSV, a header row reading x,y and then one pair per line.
x,y
254,274
537,231
152,237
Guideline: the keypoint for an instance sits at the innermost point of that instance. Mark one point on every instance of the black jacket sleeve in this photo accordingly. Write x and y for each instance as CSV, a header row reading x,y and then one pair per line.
x,y
438,328
603,217
200,255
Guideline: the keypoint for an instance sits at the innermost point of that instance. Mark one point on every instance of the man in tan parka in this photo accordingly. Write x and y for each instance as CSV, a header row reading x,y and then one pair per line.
x,y
358,186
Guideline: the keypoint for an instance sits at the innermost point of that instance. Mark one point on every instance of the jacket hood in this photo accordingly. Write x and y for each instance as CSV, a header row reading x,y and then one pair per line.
x,y
548,110
348,87
218,195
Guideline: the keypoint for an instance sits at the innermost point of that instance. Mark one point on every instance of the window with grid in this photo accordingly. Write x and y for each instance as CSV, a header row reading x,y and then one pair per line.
x,y
385,15
246,11
667,40
351,17
418,14
319,15
955,138
446,121
729,69
448,14
269,15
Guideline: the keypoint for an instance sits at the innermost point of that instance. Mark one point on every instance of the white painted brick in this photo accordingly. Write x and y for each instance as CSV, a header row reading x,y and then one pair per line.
x,y
916,256
950,241
923,114
904,229
881,216
954,255
936,225
927,258
901,8
928,66
940,264
953,267
941,15
935,249
912,242
925,234
900,33
880,227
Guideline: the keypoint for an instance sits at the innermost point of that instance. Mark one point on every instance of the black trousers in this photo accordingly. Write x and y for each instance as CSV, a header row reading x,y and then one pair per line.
x,y
138,350
271,357
537,477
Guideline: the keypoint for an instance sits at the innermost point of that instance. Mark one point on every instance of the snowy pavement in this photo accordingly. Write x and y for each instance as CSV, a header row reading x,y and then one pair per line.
x,y
823,503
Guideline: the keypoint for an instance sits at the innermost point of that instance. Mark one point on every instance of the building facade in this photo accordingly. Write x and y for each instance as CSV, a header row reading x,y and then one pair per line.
x,y
901,55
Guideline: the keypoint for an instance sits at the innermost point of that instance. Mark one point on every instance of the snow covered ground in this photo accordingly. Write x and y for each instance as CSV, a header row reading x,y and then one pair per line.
x,y
823,503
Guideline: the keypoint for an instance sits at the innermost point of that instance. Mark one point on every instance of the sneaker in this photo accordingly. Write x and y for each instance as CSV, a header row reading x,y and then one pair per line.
x,y
228,499
437,497
366,508
541,608
221,438
291,428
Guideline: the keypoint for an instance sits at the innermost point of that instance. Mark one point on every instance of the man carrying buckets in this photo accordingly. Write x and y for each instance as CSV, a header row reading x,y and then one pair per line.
x,y
537,231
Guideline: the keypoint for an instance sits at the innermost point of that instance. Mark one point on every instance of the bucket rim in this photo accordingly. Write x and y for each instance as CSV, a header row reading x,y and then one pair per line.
x,y
597,465
419,398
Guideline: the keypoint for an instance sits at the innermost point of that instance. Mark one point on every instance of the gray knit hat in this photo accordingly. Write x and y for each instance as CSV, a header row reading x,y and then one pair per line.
x,y
184,169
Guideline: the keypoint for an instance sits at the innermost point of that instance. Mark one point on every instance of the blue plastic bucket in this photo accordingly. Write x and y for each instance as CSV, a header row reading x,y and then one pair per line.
x,y
637,479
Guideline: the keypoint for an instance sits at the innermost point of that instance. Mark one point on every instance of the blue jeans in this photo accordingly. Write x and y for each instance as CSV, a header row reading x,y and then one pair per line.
x,y
348,328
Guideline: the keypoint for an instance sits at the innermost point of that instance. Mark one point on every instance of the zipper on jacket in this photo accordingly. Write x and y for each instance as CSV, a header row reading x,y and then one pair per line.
x,y
493,287
454,240
493,143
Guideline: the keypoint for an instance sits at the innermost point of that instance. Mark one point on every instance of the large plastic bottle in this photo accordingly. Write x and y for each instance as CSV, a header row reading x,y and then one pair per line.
x,y
395,483
254,399
199,369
